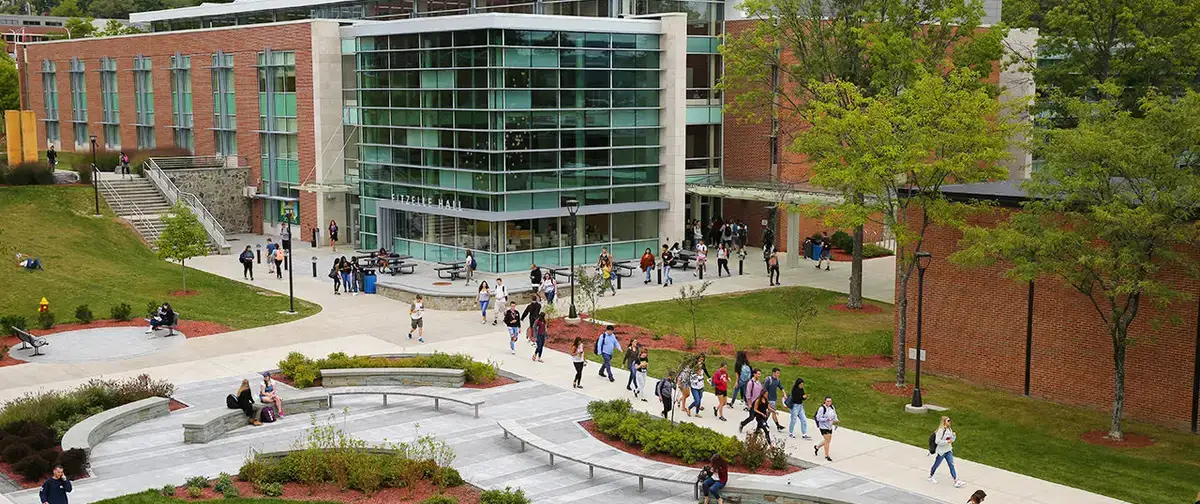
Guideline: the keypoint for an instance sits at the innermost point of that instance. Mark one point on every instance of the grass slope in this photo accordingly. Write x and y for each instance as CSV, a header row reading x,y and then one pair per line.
x,y
759,319
101,262
1022,435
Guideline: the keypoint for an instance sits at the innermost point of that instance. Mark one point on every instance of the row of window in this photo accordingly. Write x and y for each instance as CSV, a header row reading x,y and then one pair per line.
x,y
483,79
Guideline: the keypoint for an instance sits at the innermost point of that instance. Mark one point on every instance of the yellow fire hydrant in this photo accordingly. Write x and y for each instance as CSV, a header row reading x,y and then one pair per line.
x,y
43,306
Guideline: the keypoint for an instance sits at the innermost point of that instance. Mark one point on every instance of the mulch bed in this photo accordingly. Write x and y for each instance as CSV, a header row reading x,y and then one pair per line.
x,y
1132,440
890,388
563,334
590,426
867,309
190,328
466,494
8,472
186,293
176,405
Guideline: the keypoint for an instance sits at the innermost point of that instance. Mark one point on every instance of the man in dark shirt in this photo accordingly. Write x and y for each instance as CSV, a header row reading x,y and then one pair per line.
x,y
55,489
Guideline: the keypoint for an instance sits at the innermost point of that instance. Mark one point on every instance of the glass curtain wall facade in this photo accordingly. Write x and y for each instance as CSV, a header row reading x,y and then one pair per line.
x,y
110,117
181,101
50,101
79,115
509,122
224,107
143,102
277,130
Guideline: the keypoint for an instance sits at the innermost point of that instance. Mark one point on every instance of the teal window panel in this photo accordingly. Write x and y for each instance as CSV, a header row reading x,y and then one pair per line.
x,y
703,45
704,115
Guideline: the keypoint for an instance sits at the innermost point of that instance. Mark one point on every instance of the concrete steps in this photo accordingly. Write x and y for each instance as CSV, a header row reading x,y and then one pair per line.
x,y
139,202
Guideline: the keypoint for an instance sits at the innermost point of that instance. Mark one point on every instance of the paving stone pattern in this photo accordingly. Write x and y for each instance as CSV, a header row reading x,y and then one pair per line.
x,y
152,453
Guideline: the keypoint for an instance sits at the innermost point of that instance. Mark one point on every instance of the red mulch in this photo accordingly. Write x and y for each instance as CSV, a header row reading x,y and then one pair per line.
x,y
563,334
186,293
191,328
890,388
176,405
867,309
466,494
590,426
1131,440
12,475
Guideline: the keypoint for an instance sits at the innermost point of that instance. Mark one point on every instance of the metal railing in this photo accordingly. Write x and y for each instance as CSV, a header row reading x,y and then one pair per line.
x,y
133,213
186,162
216,232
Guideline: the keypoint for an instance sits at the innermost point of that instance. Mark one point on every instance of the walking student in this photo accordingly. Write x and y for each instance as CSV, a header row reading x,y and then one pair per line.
x,y
535,280
279,255
773,268
540,332
754,389
55,489
772,386
826,417
534,311
549,288
979,495
605,346
664,391
335,273
484,298
333,235
795,406
647,264
721,385
697,386
741,368
578,358
470,266
701,258
826,252
606,275
723,260
630,360
943,439
500,295
760,408
642,366
666,258
271,246
416,312
247,260
512,320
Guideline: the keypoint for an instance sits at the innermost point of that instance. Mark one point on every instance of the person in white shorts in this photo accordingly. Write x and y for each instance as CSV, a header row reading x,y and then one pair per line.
x,y
417,312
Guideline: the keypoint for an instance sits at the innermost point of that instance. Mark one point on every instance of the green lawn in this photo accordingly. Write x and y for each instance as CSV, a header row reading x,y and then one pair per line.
x,y
996,428
154,497
759,319
101,262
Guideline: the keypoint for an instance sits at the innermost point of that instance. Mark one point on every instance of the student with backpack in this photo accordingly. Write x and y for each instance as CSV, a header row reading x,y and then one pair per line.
x,y
512,320
825,417
247,260
941,443
500,297
279,255
540,332
795,406
665,390
271,246
470,266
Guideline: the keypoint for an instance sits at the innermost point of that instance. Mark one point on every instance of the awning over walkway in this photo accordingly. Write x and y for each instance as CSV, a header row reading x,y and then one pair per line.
x,y
776,193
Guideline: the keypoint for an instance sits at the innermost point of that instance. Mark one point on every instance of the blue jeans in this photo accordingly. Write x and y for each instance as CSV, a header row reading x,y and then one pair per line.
x,y
541,342
483,308
697,394
797,411
347,285
739,389
550,297
712,487
949,457
648,274
513,332
607,367
667,276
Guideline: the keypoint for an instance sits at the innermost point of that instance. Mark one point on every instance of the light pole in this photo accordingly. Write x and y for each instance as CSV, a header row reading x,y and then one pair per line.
x,y
291,288
95,177
923,259
572,205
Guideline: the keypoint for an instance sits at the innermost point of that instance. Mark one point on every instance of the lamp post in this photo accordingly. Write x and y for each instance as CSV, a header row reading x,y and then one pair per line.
x,y
95,177
291,288
572,205
923,259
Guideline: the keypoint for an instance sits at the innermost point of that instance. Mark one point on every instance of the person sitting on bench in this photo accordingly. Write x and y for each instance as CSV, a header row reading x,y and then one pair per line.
x,y
28,262
267,395
244,401
164,317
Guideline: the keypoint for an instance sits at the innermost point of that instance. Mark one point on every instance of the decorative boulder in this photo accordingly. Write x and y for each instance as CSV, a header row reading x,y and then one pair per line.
x,y
65,177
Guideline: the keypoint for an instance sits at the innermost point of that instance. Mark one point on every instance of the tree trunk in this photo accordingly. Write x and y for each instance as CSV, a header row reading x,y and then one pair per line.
x,y
854,301
901,324
1120,331
183,274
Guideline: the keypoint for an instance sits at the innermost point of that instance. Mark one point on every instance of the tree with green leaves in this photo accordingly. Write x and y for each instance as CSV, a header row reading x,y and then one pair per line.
x,y
898,151
67,8
182,238
689,298
799,311
1113,208
879,46
10,97
114,27
79,27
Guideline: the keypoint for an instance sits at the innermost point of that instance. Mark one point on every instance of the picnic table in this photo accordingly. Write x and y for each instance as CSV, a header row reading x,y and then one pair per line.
x,y
399,264
452,268
683,257
626,268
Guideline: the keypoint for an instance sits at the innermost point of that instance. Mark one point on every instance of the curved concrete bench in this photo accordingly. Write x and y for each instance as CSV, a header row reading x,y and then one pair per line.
x,y
674,474
408,377
385,392
757,492
90,432
214,423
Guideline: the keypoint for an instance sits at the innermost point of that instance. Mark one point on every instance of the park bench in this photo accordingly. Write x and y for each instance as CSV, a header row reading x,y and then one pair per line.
x,y
172,327
29,339
624,268
397,265
393,376
430,393
214,423
683,258
681,475
451,271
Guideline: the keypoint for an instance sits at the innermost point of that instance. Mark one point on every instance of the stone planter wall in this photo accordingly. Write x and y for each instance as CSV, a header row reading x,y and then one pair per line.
x,y
220,189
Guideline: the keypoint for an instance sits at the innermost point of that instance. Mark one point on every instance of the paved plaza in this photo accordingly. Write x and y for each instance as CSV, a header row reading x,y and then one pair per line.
x,y
133,459
101,344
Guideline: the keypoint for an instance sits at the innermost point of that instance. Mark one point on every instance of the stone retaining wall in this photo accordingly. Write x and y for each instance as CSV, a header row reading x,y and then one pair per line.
x,y
220,189
754,492
92,430
408,377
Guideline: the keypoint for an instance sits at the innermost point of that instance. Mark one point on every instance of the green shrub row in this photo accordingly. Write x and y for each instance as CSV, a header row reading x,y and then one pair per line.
x,y
304,371
83,314
871,250
61,410
29,448
687,441
31,173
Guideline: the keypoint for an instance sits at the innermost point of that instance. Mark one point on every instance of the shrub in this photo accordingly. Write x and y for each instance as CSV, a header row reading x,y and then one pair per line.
x,y
84,314
32,468
197,481
3,173
31,173
754,453
231,492
304,371
46,319
195,492
16,452
85,172
871,250
270,489
224,481
122,312
506,496
74,462
447,477
168,490
689,442
62,409
440,499
777,455
10,321
842,240
151,308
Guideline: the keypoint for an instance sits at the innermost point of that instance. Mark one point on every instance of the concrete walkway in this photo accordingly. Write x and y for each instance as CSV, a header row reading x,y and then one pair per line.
x,y
346,320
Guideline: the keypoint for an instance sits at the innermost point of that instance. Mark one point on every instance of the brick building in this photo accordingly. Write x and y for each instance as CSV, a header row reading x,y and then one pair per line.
x,y
976,325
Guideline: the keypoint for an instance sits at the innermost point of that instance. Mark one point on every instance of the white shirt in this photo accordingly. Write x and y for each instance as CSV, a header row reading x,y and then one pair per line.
x,y
577,356
501,292
418,310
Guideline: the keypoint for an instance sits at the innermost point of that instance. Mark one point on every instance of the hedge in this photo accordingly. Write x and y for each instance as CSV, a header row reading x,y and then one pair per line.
x,y
304,371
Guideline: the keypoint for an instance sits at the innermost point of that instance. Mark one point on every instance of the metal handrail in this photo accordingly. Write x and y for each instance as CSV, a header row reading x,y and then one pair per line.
x,y
215,230
152,232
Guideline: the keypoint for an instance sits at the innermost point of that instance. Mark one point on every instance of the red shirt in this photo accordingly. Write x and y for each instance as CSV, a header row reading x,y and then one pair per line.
x,y
721,381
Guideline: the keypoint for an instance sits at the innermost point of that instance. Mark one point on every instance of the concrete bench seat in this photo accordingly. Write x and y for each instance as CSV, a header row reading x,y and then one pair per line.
x,y
681,475
214,423
92,430
761,492
430,393
408,377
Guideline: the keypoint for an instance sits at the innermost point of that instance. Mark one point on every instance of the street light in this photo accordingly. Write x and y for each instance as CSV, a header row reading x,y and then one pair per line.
x,y
572,205
95,177
291,288
923,260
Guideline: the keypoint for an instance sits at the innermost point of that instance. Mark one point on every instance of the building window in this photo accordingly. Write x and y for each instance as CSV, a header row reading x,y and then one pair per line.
x,y
278,141
181,101
50,99
79,117
224,106
143,94
110,116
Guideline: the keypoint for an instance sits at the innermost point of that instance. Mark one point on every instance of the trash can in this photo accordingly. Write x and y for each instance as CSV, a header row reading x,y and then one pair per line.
x,y
817,249
369,283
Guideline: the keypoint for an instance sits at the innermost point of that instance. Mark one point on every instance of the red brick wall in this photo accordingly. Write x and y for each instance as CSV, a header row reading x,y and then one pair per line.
x,y
975,329
242,42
